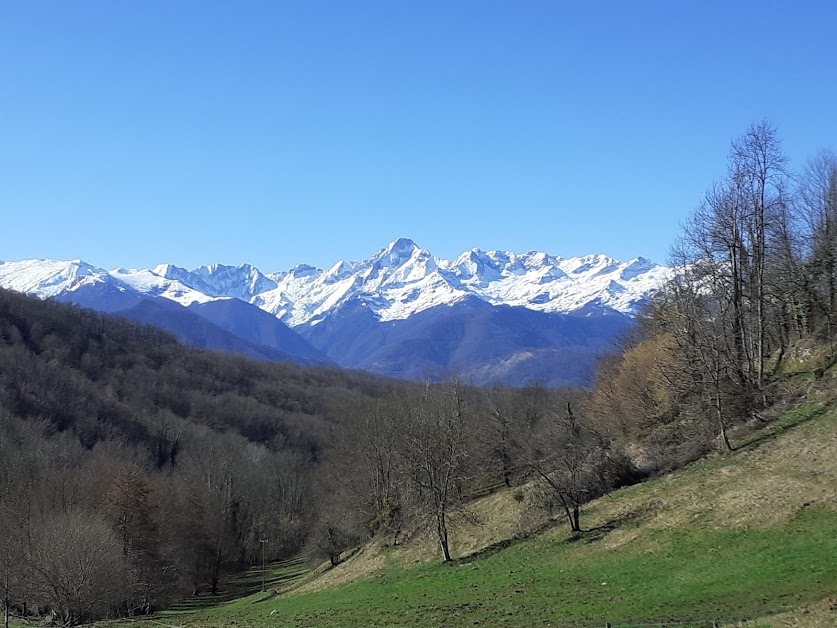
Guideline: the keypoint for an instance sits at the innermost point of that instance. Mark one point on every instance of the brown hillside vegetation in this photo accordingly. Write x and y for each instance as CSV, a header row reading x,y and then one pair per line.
x,y
777,471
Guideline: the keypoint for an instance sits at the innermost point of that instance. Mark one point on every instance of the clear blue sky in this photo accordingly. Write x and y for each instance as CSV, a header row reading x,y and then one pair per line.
x,y
274,132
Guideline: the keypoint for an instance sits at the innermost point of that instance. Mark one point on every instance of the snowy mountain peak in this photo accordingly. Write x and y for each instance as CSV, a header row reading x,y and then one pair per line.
x,y
474,263
164,269
47,278
397,253
401,246
170,271
338,272
304,270
219,280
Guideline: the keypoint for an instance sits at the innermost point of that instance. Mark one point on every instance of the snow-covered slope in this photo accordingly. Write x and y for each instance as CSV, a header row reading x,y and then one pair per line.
x,y
50,278
398,282
239,282
47,278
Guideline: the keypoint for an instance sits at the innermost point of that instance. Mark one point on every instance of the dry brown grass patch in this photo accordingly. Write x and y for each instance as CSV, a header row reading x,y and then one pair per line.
x,y
820,615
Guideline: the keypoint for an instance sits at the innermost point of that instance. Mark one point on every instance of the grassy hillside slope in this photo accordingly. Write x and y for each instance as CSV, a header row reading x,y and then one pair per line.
x,y
750,535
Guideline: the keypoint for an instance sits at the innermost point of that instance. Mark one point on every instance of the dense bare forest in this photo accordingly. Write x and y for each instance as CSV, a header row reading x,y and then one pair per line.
x,y
134,470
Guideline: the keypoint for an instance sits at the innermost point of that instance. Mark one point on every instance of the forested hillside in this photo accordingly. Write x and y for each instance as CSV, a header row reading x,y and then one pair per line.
x,y
134,469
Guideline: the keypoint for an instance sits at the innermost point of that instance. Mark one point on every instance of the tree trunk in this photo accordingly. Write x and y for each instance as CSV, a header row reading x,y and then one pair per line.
x,y
727,446
442,529
333,549
719,412
6,598
725,438
761,322
216,572
506,467
738,315
572,513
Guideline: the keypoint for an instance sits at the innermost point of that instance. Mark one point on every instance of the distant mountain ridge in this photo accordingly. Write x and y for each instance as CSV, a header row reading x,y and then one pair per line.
x,y
403,279
401,312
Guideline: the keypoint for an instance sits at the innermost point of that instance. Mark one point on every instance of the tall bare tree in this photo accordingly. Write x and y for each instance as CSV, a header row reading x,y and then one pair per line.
x,y
435,449
816,202
758,167
367,464
567,457
501,422
723,292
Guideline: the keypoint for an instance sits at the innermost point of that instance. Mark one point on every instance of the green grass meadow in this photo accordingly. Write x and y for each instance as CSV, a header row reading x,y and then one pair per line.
x,y
690,574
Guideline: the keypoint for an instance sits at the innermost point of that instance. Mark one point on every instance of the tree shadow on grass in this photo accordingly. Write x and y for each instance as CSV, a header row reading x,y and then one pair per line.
x,y
599,532
782,426
585,536
495,548
278,574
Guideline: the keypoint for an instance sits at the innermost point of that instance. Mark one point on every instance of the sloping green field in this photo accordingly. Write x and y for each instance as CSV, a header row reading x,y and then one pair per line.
x,y
740,537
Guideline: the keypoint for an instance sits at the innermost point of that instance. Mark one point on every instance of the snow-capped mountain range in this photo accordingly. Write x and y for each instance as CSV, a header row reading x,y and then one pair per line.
x,y
395,285
399,281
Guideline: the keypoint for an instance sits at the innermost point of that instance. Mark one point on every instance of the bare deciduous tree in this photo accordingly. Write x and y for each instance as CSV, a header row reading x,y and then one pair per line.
x,y
77,566
435,448
724,291
566,457
366,463
816,203
12,566
500,426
